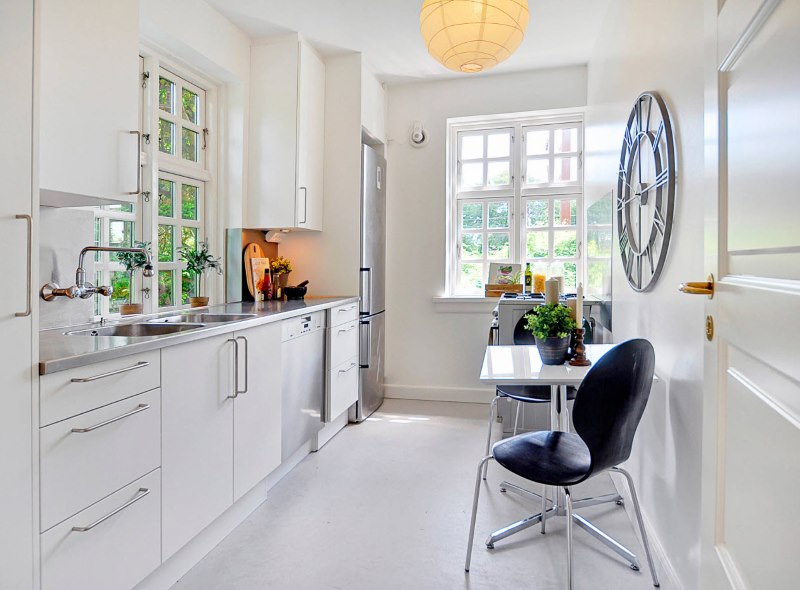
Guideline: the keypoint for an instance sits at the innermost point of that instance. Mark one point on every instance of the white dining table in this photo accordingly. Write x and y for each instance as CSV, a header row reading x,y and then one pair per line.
x,y
522,365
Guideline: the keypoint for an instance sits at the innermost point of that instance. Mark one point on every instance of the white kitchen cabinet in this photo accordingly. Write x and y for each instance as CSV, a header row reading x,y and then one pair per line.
x,y
287,133
88,98
342,360
17,319
257,411
197,437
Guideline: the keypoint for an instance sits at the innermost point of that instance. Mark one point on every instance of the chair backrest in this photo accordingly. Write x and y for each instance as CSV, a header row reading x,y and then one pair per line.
x,y
523,336
611,400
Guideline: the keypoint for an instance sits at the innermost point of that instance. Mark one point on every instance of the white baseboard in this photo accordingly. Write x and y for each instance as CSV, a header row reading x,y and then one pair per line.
x,y
666,571
472,395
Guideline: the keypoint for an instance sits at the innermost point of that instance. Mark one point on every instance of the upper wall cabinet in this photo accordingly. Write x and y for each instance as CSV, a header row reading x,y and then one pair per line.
x,y
89,96
287,133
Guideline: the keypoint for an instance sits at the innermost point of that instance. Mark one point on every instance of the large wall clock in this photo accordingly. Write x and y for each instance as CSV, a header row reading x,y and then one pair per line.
x,y
646,191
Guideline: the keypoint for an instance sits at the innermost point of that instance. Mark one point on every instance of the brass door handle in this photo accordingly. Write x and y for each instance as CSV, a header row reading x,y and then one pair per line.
x,y
704,288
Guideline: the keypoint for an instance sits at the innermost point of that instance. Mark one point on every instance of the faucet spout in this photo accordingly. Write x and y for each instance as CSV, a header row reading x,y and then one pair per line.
x,y
80,274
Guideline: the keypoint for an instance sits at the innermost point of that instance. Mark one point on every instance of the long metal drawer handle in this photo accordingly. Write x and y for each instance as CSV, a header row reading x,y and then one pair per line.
x,y
29,223
139,495
350,329
139,408
348,369
346,309
139,365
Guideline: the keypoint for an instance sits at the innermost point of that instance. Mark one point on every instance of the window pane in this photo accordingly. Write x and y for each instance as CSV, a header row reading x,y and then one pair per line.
x,y
566,169
499,246
166,95
472,216
165,291
471,147
471,246
596,274
600,212
472,174
189,201
471,278
165,243
499,145
188,286
499,173
570,276
598,243
565,244
565,212
189,100
120,234
538,171
98,236
126,208
498,215
98,303
537,245
166,136
121,282
166,192
189,143
537,214
565,140
189,237
537,143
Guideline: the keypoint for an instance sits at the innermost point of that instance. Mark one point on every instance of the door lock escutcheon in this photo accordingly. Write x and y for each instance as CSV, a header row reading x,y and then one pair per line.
x,y
709,328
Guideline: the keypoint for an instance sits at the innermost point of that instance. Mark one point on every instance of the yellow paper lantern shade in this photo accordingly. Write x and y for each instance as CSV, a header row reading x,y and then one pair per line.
x,y
473,35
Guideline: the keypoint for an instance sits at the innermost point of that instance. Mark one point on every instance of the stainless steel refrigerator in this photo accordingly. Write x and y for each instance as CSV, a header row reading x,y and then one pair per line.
x,y
372,284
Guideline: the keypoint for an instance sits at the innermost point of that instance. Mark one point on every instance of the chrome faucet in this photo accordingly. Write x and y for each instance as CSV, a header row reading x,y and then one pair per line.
x,y
83,289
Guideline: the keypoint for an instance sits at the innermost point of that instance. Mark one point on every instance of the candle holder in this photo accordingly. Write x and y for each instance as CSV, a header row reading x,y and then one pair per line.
x,y
579,357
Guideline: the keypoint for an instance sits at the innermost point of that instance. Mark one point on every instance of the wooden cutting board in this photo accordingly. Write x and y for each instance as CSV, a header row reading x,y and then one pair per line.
x,y
251,250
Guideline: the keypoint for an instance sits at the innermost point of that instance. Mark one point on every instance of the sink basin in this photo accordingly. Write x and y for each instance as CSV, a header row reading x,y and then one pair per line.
x,y
136,330
202,318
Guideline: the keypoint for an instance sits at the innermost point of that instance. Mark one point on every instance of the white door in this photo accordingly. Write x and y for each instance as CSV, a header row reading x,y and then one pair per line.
x,y
751,412
16,355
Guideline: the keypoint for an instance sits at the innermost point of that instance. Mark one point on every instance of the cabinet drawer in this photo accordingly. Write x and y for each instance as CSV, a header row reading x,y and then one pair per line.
x,y
343,341
341,314
123,442
121,547
342,388
74,391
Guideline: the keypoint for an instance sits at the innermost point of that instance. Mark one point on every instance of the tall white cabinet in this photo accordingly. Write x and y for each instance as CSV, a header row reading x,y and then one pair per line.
x,y
17,356
88,101
287,135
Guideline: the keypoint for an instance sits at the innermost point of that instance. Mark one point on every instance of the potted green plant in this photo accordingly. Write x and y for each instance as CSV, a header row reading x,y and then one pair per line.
x,y
198,262
132,261
281,267
552,327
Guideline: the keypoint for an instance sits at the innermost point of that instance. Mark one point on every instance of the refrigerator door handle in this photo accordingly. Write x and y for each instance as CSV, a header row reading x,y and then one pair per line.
x,y
365,348
366,290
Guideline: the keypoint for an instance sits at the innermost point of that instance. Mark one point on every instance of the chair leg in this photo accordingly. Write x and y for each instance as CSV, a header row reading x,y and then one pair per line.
x,y
568,498
544,507
492,408
475,511
639,519
516,417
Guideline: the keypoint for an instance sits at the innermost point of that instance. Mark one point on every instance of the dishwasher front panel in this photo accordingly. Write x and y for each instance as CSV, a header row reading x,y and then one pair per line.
x,y
302,390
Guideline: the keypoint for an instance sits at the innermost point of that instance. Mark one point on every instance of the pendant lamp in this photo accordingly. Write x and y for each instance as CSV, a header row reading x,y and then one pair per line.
x,y
473,35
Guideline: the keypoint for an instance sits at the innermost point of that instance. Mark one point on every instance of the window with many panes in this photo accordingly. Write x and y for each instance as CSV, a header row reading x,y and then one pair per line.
x,y
114,225
515,196
181,114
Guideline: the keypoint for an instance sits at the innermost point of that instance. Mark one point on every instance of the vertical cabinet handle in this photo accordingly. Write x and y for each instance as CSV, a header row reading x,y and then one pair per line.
x,y
138,135
29,224
305,205
235,368
246,366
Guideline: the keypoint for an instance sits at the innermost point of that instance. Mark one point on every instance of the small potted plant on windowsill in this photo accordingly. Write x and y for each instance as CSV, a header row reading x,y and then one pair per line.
x,y
132,261
281,267
198,262
552,327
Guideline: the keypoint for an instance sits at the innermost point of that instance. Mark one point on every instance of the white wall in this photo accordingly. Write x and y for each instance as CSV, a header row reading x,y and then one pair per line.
x,y
431,354
637,54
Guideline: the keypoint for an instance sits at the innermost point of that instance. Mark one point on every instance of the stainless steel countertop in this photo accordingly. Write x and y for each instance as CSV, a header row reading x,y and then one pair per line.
x,y
58,351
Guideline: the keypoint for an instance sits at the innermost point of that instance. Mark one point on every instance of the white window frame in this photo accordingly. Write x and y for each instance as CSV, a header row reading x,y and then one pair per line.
x,y
176,159
519,192
103,265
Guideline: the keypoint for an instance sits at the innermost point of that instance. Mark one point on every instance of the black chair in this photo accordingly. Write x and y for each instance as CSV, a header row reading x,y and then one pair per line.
x,y
607,410
522,394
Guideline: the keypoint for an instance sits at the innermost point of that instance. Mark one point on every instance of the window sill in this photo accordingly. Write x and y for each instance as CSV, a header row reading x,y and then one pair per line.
x,y
482,305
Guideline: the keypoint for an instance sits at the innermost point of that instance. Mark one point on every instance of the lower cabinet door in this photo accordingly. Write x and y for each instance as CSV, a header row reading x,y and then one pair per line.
x,y
114,544
342,388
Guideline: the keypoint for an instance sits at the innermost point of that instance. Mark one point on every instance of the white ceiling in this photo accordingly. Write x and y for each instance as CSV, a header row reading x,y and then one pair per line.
x,y
561,32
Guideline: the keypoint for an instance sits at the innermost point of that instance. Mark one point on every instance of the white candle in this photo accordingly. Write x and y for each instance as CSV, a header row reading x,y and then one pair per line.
x,y
579,306
551,291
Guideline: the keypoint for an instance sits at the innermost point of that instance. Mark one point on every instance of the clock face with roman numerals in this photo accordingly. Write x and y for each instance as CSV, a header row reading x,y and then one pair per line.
x,y
646,191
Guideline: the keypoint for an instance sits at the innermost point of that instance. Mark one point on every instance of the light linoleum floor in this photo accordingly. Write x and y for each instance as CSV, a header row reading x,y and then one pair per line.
x,y
386,504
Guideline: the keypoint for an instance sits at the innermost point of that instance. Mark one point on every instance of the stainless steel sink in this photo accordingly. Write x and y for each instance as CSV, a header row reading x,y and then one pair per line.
x,y
136,330
202,318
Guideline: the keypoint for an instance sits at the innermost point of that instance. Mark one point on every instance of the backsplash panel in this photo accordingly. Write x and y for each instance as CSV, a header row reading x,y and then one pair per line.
x,y
63,233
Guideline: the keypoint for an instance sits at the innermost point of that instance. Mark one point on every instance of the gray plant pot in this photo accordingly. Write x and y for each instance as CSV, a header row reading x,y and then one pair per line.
x,y
553,350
